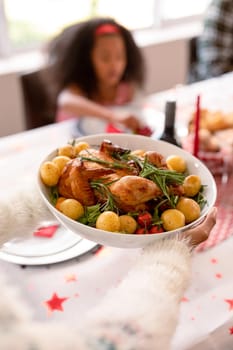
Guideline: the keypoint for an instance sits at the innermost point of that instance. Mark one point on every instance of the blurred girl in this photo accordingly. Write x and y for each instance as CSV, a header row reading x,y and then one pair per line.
x,y
96,65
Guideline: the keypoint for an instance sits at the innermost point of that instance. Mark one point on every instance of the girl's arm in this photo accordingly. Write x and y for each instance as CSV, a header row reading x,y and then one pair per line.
x,y
74,103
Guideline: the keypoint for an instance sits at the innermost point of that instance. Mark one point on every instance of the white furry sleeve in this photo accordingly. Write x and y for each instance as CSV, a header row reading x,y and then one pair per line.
x,y
141,313
21,213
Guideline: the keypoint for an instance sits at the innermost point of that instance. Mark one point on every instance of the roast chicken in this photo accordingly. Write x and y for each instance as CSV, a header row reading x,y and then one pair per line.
x,y
129,190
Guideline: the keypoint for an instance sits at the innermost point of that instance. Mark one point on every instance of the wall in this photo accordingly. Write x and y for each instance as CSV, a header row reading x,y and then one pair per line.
x,y
167,66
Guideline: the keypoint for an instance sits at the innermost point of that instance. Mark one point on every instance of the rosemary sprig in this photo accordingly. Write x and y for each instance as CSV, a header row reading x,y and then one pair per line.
x,y
114,165
156,217
120,153
171,175
102,188
92,212
162,178
200,198
54,195
90,215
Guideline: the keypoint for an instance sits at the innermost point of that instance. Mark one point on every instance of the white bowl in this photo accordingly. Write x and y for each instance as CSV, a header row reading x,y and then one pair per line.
x,y
133,142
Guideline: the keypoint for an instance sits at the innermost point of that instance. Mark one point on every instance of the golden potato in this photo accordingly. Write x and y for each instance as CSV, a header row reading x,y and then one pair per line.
x,y
80,146
59,201
71,208
49,173
127,224
108,221
138,153
177,163
172,219
192,185
67,150
61,161
190,208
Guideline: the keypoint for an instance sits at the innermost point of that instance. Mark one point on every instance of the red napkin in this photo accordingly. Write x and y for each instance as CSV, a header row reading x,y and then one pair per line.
x,y
145,130
110,128
47,231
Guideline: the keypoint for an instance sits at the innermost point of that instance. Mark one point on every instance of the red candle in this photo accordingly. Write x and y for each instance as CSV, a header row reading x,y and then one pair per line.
x,y
196,128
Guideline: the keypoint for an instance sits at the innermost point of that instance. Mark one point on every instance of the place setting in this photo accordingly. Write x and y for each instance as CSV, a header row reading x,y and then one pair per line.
x,y
50,243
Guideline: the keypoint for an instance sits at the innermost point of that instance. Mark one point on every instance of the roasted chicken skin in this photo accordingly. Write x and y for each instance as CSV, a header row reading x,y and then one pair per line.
x,y
130,192
74,181
156,159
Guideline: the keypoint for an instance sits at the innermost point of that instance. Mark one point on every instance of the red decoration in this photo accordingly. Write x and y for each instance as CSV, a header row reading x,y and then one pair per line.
x,y
214,261
196,132
144,131
110,128
55,303
231,330
46,232
184,299
218,275
230,302
107,28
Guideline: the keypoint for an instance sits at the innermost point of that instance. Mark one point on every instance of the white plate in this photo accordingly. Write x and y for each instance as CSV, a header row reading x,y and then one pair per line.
x,y
62,246
154,119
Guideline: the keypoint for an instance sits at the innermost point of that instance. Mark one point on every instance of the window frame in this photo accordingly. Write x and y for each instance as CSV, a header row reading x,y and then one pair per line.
x,y
7,50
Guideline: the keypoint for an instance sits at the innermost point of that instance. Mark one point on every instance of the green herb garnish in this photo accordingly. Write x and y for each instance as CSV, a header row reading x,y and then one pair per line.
x,y
200,198
90,215
54,195
102,188
114,165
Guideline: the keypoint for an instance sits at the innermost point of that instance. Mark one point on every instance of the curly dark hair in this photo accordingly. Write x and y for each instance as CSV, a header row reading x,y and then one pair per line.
x,y
69,57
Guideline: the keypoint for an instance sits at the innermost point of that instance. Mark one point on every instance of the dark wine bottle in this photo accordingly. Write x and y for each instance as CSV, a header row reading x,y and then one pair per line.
x,y
169,133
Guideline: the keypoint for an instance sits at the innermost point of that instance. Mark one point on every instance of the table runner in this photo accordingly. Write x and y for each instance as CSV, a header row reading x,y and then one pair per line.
x,y
224,225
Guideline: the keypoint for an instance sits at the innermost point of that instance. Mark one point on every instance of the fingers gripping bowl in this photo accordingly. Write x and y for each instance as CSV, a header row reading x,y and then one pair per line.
x,y
132,240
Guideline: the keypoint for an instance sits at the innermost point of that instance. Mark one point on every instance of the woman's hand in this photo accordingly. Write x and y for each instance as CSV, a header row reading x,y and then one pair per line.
x,y
201,232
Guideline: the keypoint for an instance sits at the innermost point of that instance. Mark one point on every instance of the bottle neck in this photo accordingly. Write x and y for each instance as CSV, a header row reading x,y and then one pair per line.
x,y
170,111
169,133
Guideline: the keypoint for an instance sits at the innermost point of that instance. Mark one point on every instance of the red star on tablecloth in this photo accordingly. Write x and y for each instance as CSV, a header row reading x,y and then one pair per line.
x,y
47,231
55,303
230,302
184,299
231,330
214,261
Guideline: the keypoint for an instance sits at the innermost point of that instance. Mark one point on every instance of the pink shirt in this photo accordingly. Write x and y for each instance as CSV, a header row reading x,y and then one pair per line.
x,y
123,96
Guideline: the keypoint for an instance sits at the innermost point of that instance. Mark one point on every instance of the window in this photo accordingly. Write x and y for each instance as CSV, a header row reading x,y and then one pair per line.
x,y
26,24
171,9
